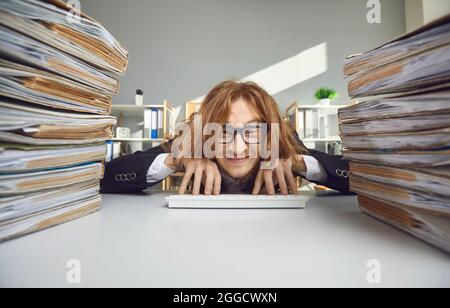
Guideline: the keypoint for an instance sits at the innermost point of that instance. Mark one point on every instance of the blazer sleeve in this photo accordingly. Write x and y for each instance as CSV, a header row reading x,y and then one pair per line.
x,y
128,174
337,170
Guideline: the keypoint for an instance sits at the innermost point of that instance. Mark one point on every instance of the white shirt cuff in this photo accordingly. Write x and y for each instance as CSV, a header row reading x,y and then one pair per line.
x,y
158,171
314,170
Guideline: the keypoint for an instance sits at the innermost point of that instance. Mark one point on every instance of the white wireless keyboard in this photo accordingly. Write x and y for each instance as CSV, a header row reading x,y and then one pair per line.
x,y
237,202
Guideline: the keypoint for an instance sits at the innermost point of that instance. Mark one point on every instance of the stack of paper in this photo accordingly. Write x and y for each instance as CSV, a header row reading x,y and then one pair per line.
x,y
398,137
412,62
58,74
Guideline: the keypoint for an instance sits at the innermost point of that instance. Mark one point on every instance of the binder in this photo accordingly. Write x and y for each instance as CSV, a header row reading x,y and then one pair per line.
x,y
154,123
147,123
160,123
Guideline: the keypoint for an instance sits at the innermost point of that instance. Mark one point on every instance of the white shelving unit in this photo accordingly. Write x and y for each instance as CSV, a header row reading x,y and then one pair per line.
x,y
316,125
122,111
132,110
144,140
337,139
133,144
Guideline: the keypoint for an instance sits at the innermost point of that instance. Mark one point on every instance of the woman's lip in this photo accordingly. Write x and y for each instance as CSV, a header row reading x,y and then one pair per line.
x,y
237,160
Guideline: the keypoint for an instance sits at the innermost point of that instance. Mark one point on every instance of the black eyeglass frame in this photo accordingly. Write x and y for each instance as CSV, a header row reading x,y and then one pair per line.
x,y
241,132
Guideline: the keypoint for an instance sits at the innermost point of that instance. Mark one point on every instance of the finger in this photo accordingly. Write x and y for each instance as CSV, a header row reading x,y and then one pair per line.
x,y
217,182
291,181
186,179
268,180
209,184
282,181
275,180
258,183
198,180
263,191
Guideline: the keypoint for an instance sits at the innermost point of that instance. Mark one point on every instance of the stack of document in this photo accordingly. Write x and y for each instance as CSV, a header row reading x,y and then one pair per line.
x,y
410,63
59,70
398,137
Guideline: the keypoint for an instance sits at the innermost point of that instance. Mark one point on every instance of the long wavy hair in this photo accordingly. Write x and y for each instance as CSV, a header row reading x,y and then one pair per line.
x,y
217,106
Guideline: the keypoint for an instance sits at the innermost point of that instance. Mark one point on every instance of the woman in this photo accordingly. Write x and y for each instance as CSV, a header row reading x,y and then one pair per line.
x,y
241,111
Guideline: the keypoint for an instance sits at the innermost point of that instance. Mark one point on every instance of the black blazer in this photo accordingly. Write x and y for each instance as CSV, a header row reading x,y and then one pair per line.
x,y
128,174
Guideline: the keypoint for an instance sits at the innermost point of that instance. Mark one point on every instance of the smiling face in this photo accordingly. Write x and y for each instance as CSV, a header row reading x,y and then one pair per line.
x,y
239,106
238,163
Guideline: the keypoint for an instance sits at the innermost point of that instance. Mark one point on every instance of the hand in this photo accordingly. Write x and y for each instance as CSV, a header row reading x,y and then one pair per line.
x,y
202,170
299,164
281,174
171,163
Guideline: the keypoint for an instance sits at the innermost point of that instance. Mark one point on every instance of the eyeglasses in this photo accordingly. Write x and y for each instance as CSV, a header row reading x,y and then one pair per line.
x,y
250,134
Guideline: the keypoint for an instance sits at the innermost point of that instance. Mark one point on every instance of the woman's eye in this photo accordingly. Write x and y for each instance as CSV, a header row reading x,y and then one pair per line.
x,y
227,133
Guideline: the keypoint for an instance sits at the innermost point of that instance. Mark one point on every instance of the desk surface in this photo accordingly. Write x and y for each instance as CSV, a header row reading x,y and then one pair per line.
x,y
137,241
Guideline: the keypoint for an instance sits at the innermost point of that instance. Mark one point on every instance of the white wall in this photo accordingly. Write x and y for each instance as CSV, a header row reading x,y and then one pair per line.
x,y
420,12
414,14
179,49
433,9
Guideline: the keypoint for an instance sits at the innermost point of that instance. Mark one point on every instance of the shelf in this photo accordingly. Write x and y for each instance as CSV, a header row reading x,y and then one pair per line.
x,y
322,107
178,174
322,140
133,109
138,140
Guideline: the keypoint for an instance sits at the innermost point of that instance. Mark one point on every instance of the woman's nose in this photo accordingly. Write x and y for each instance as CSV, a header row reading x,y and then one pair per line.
x,y
240,147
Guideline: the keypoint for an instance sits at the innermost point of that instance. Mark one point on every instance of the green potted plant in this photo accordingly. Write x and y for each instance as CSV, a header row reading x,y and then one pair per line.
x,y
325,96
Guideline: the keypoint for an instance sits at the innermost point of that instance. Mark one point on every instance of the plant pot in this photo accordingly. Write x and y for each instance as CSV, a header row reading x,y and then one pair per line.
x,y
325,102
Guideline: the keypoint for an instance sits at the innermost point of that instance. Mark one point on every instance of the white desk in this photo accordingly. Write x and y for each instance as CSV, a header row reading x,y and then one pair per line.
x,y
137,241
